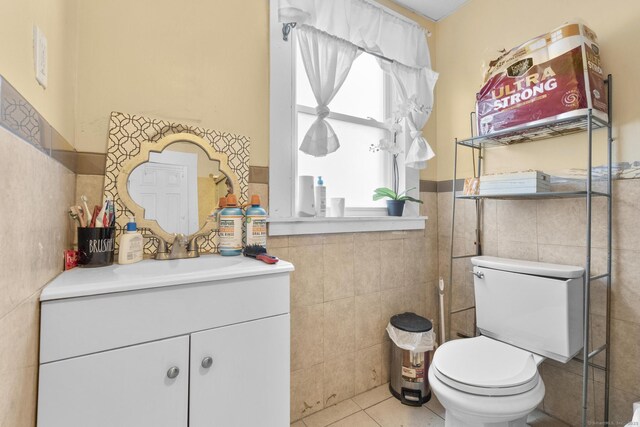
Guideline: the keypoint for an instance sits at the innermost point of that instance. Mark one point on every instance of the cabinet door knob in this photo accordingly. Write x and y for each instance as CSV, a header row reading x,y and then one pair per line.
x,y
173,372
207,362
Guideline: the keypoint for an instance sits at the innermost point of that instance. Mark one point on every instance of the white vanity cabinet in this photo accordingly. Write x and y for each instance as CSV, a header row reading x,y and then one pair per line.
x,y
124,387
238,374
202,342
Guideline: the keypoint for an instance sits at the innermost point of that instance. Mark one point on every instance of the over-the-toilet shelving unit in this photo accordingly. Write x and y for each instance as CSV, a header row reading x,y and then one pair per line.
x,y
587,123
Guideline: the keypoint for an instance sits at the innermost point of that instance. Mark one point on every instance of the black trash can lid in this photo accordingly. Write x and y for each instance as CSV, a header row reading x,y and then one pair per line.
x,y
411,322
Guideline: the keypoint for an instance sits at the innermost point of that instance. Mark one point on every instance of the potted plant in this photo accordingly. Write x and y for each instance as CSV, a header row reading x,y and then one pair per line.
x,y
395,205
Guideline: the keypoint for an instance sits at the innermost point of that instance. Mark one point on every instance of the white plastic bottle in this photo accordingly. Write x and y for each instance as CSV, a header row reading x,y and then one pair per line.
x,y
131,244
321,199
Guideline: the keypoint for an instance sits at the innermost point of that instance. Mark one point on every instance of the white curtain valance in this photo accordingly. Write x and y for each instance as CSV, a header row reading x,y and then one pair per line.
x,y
363,24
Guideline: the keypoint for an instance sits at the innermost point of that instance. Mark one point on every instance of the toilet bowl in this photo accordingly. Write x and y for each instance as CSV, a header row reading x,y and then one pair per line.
x,y
524,310
483,382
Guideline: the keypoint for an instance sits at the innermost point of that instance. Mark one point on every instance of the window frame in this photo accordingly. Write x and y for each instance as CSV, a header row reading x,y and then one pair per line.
x,y
283,149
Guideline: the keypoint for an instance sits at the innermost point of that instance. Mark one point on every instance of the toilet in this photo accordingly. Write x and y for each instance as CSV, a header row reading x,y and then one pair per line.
x,y
525,312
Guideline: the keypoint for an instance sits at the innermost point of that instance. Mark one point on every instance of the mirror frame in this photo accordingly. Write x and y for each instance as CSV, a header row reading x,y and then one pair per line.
x,y
146,148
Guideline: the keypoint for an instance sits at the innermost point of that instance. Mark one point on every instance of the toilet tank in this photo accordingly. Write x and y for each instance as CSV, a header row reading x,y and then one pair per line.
x,y
535,306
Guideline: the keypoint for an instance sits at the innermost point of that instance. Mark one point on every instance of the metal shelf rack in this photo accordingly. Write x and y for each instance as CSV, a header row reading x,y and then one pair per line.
x,y
587,123
534,196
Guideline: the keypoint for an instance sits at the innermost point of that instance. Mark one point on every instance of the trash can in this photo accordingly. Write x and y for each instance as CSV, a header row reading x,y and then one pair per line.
x,y
413,340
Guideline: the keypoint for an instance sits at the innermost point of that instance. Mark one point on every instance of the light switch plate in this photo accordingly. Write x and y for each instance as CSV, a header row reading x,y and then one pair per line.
x,y
40,56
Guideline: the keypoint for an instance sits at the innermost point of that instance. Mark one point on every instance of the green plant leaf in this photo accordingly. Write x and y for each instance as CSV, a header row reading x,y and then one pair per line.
x,y
404,192
381,192
411,199
403,196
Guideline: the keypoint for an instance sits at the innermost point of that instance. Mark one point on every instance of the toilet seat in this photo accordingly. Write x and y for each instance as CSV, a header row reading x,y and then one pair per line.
x,y
486,367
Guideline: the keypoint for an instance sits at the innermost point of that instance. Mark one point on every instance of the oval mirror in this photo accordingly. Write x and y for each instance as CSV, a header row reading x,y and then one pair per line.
x,y
173,186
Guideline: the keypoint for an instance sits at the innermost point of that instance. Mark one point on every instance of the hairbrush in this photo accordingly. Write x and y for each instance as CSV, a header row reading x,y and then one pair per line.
x,y
260,253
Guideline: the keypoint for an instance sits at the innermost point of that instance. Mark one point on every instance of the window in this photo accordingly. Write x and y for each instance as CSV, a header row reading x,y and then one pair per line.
x,y
353,171
357,116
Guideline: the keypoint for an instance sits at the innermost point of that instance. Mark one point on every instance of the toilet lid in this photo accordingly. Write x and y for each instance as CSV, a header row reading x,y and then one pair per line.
x,y
485,366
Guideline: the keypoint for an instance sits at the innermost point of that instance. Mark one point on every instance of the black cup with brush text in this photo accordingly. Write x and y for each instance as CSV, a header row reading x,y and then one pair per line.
x,y
96,246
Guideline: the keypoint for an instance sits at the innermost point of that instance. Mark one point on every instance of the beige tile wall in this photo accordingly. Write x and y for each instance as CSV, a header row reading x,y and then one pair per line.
x,y
36,194
343,292
554,231
91,186
346,287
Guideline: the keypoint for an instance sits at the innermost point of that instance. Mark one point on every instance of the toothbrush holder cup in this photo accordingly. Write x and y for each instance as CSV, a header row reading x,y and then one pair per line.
x,y
96,246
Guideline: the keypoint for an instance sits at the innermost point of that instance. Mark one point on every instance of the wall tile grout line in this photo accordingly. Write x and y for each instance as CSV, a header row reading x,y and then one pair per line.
x,y
24,301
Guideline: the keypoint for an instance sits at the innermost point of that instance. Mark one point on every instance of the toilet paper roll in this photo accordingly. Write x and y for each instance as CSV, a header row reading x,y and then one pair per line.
x,y
306,202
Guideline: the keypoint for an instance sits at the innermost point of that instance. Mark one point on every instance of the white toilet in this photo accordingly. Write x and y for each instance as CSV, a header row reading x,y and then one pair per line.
x,y
526,311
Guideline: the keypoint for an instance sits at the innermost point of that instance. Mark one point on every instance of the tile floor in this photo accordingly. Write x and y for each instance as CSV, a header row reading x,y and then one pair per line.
x,y
377,408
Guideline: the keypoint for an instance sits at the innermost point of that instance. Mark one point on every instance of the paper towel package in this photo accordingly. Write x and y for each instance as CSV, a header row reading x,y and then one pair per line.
x,y
554,76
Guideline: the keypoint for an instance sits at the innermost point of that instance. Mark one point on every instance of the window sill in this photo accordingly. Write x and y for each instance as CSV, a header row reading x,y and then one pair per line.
x,y
347,224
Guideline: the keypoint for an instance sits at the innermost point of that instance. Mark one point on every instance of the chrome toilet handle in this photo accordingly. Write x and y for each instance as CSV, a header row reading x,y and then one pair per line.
x,y
478,274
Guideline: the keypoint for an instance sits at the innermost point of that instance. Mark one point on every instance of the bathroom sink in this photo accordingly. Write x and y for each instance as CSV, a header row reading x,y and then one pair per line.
x,y
147,274
193,265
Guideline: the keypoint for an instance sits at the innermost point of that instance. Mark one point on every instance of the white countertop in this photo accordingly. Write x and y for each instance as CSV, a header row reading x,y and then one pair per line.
x,y
147,274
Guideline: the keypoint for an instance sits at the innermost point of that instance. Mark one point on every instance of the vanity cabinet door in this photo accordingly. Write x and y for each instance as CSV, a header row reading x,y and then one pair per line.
x,y
134,386
240,375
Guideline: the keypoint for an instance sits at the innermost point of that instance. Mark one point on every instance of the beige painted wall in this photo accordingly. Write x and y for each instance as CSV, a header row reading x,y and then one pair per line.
x,y
200,62
58,20
472,36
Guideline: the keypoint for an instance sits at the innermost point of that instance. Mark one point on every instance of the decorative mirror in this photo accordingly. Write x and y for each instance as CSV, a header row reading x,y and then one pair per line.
x,y
136,140
172,186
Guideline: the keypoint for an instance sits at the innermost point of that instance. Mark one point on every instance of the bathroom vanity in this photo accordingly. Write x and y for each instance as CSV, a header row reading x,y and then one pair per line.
x,y
191,342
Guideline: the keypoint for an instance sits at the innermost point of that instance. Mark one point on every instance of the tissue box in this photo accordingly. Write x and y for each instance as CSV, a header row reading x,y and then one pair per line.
x,y
515,183
554,76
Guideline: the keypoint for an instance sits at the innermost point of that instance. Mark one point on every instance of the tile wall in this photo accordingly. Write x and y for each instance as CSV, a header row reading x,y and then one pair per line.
x,y
36,194
347,285
343,292
554,231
